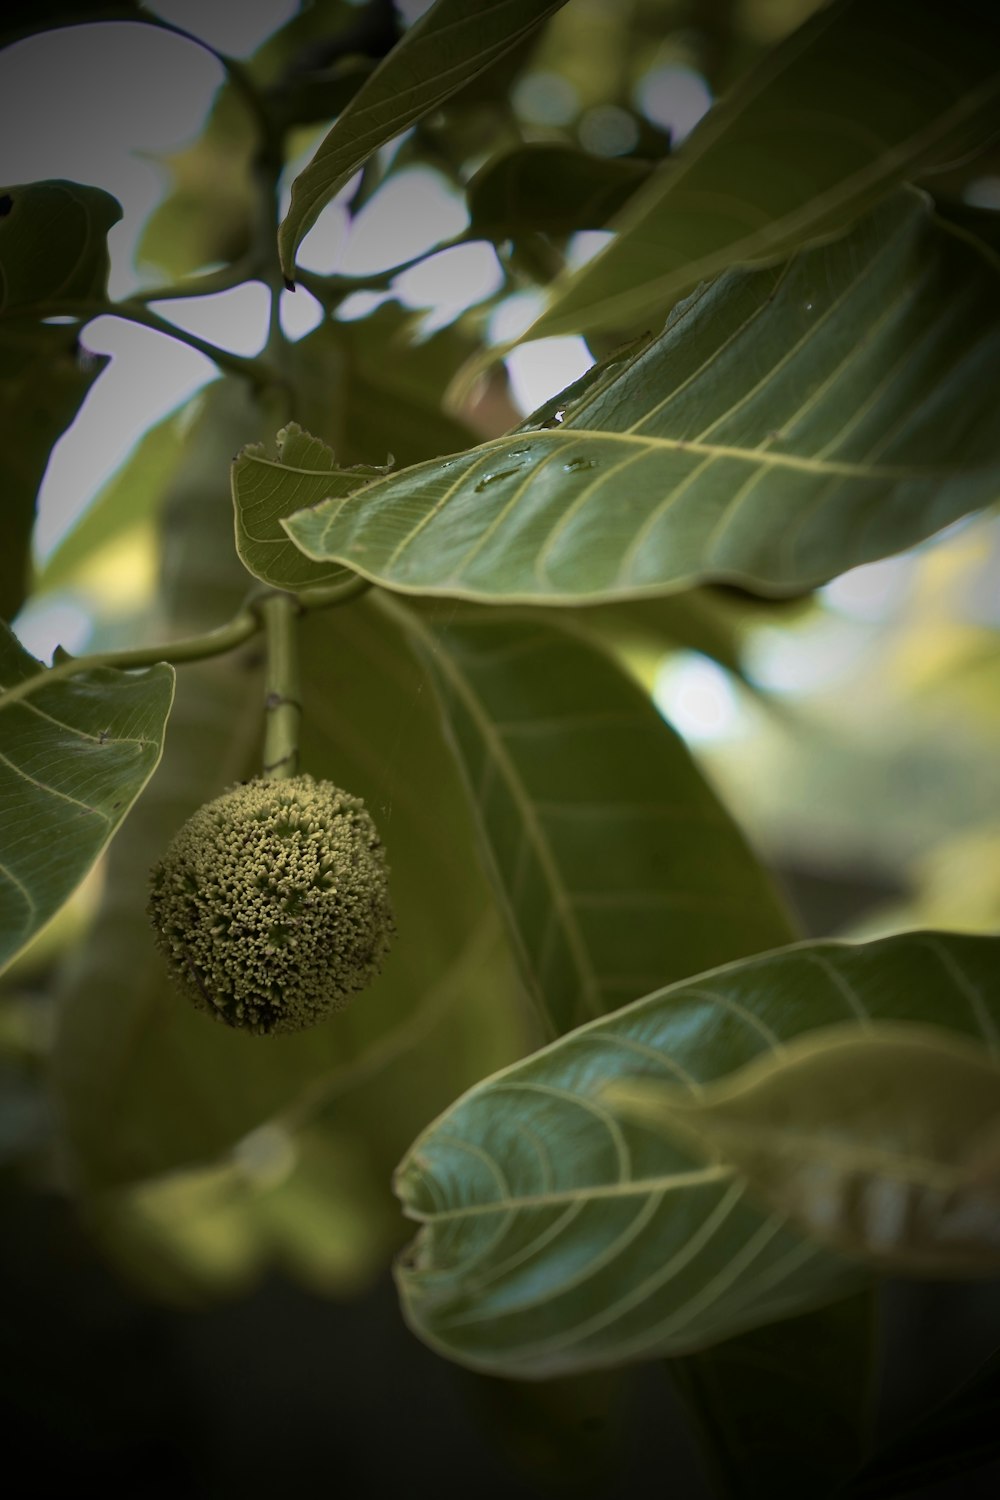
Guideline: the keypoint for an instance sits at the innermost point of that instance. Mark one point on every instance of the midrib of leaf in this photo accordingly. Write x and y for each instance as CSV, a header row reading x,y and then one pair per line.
x,y
665,1183
590,988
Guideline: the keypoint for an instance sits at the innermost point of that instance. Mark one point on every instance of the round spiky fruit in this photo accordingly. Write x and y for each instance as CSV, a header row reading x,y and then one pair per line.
x,y
272,905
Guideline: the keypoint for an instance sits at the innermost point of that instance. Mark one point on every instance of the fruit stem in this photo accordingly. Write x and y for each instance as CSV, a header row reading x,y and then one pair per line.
x,y
282,703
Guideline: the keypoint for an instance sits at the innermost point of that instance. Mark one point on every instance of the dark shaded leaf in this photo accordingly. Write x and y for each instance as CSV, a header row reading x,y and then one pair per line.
x,y
859,98
784,1411
551,189
616,866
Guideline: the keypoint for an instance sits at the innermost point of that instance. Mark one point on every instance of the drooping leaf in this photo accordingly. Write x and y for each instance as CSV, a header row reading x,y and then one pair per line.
x,y
784,1411
53,243
74,756
616,867
443,51
883,1142
859,98
788,424
262,487
557,1236
549,188
45,376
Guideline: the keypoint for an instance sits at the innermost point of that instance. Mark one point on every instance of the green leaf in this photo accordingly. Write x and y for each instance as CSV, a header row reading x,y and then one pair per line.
x,y
53,243
883,1142
785,1410
131,497
446,49
559,1237
74,756
263,486
551,189
858,99
53,247
45,376
787,424
616,866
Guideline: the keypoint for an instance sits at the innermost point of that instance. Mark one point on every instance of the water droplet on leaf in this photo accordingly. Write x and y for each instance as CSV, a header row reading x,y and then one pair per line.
x,y
494,478
576,464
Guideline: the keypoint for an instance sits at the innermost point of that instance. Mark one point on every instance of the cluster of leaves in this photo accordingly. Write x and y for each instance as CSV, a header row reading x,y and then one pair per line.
x,y
715,1153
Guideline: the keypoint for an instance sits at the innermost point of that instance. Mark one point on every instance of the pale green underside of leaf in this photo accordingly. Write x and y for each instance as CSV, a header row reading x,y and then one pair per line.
x,y
616,867
304,468
882,1142
558,1237
74,755
788,424
861,97
446,49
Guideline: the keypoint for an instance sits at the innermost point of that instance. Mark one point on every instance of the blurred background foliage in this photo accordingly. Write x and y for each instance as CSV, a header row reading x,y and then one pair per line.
x,y
853,733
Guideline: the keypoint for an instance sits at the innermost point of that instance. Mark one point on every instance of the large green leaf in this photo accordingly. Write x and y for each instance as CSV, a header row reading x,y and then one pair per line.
x,y
616,866
883,1142
44,379
557,1236
53,243
442,52
784,1411
858,99
787,424
74,756
549,188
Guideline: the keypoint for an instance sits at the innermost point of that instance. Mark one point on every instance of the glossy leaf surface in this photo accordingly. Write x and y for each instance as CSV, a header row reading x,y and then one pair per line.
x,y
74,756
788,424
558,1236
858,99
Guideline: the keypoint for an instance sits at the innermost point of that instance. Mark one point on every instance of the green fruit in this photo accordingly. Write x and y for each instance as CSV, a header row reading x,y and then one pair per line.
x,y
272,905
